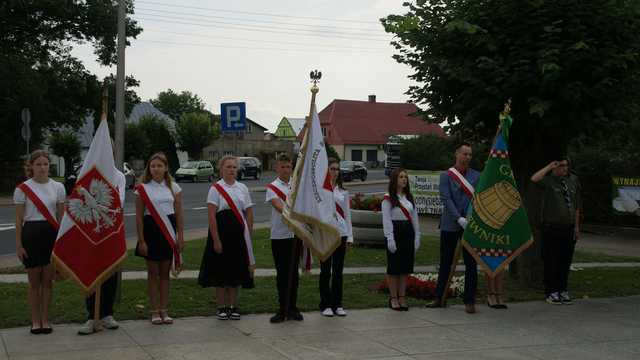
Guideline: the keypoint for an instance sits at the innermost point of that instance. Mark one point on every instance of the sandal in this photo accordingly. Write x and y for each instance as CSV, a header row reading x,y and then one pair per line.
x,y
391,304
155,317
166,319
403,307
491,304
499,304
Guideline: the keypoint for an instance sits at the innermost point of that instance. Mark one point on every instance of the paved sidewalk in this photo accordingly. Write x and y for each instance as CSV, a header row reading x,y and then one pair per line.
x,y
590,329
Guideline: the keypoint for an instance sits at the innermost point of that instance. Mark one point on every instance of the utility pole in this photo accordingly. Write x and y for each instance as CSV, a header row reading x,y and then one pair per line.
x,y
120,84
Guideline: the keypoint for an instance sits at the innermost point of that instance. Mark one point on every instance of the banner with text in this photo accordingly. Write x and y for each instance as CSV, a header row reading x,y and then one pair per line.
x,y
626,195
425,189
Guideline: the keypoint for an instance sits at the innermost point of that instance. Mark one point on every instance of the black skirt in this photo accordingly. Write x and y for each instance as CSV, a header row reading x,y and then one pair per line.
x,y
401,262
231,267
38,238
158,248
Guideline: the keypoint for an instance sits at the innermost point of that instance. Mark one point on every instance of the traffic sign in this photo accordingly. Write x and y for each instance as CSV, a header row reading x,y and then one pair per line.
x,y
233,117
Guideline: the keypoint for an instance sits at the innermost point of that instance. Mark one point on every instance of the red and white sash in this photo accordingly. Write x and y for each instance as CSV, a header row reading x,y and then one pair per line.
x,y
163,222
42,208
240,217
456,176
305,254
404,210
340,211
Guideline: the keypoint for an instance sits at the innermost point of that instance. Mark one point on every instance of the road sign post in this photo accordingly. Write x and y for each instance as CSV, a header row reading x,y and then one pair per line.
x,y
26,126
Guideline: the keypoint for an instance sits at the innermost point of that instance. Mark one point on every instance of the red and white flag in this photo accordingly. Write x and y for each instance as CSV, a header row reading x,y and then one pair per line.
x,y
91,242
311,209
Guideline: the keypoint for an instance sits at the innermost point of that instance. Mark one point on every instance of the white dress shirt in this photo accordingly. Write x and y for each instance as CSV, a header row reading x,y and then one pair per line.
x,y
389,214
279,230
238,192
342,198
50,193
160,193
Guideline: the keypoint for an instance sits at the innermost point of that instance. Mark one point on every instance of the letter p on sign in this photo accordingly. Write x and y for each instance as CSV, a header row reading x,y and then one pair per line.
x,y
233,117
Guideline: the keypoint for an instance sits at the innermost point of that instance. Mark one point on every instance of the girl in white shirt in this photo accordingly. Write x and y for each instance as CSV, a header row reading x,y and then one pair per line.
x,y
331,269
36,231
227,261
402,231
152,243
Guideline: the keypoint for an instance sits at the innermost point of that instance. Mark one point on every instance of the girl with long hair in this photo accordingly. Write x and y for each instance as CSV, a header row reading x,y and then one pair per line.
x,y
39,208
331,269
158,197
402,231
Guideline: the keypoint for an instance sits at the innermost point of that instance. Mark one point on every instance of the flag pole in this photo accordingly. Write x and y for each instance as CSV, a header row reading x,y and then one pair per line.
x,y
458,252
297,247
96,305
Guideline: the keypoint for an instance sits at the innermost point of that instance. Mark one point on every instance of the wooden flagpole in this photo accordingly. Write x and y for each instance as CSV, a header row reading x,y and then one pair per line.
x,y
458,252
296,247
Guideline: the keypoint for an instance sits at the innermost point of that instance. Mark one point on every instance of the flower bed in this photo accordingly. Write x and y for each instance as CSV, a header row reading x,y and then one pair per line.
x,y
423,286
369,203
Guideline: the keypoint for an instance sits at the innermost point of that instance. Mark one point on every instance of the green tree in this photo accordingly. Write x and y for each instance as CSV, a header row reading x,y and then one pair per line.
x,y
177,104
427,152
150,135
570,67
194,132
66,144
38,71
331,152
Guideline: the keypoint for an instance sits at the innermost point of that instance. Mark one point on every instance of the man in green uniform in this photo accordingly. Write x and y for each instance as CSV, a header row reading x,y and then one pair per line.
x,y
560,226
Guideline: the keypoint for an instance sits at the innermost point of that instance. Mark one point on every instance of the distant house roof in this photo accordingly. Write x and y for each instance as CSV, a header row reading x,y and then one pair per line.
x,y
146,108
289,127
370,122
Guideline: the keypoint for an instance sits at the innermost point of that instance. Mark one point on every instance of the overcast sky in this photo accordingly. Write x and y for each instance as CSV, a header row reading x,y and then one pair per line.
x,y
261,52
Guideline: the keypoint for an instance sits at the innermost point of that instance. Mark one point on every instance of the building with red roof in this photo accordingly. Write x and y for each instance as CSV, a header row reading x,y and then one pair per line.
x,y
358,130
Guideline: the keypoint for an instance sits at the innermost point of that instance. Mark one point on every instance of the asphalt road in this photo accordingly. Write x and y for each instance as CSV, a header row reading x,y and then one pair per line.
x,y
194,204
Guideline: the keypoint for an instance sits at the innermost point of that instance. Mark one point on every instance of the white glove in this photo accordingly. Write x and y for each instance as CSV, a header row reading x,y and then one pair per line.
x,y
391,245
416,243
463,222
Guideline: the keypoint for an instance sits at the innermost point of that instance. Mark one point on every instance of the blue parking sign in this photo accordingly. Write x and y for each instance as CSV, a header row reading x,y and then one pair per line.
x,y
233,117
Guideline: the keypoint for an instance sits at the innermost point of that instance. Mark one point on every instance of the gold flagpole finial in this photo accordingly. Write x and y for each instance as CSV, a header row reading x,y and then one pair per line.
x,y
315,76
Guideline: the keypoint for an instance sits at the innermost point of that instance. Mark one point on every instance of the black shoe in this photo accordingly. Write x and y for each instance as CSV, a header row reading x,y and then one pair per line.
x,y
434,305
46,330
234,313
295,314
403,307
36,331
277,318
223,313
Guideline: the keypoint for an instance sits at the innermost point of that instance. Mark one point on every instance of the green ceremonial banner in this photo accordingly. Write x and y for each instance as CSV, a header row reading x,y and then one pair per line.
x,y
498,229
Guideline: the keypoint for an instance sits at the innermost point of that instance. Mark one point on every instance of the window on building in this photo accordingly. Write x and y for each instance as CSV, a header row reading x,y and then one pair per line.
x,y
248,131
356,155
324,131
372,155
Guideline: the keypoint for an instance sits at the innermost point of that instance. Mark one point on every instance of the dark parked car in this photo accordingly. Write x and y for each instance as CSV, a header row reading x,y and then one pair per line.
x,y
249,167
351,170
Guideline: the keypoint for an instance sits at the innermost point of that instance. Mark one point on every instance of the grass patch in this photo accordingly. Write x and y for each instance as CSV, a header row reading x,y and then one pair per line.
x,y
428,254
189,299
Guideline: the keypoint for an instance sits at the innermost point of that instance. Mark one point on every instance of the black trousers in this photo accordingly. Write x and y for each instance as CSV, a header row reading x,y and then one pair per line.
x,y
448,242
107,298
331,272
286,256
558,245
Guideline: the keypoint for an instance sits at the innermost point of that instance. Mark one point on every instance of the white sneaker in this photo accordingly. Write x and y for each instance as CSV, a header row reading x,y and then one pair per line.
x,y
87,328
327,312
108,322
340,312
